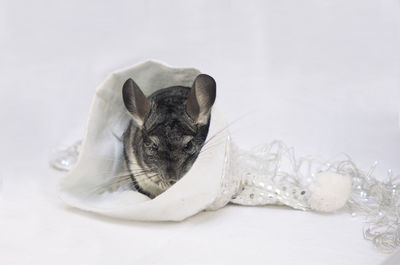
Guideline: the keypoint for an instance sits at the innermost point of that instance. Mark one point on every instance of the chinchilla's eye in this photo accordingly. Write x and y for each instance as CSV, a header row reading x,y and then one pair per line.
x,y
150,146
189,148
147,143
154,147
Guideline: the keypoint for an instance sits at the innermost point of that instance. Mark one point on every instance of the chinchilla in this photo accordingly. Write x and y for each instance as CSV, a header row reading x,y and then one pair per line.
x,y
166,133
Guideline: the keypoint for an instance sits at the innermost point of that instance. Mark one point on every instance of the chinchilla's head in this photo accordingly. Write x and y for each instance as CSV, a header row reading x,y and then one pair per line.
x,y
170,127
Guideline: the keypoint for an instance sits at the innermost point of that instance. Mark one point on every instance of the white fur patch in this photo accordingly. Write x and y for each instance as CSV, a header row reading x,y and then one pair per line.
x,y
329,192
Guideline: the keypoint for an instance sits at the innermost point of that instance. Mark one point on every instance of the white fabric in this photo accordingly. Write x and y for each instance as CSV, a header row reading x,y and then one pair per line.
x,y
101,158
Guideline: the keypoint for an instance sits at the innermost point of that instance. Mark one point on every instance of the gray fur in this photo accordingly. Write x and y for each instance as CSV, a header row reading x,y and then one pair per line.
x,y
162,145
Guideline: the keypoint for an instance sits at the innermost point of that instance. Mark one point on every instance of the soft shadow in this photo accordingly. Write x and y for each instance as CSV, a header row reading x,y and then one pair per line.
x,y
199,218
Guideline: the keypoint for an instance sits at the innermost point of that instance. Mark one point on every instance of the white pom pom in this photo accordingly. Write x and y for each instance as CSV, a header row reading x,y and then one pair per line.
x,y
329,192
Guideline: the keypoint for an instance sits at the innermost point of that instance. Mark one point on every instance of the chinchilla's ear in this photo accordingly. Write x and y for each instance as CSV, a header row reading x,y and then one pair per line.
x,y
201,98
135,101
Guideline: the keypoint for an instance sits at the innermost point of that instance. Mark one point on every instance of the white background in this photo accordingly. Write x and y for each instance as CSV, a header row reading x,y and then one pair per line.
x,y
321,75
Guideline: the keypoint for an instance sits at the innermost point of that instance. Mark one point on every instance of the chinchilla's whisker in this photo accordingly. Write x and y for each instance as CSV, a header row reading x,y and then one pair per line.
x,y
151,177
117,183
150,169
221,130
118,180
141,172
137,171
211,146
115,180
110,182
143,178
111,158
125,175
207,154
147,174
215,140
214,136
104,157
110,176
218,133
119,138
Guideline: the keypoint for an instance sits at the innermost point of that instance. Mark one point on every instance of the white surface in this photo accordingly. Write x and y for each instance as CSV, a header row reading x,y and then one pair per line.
x,y
321,75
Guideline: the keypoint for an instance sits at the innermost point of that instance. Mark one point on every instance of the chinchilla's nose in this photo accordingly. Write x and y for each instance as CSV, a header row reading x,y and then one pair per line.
x,y
172,173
